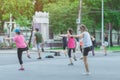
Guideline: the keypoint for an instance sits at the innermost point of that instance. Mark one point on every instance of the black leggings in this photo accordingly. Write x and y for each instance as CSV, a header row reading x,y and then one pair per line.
x,y
69,51
19,54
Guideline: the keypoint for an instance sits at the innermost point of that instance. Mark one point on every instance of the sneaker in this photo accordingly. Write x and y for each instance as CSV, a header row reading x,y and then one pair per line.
x,y
39,58
81,57
93,54
28,56
21,69
86,73
105,54
75,59
70,64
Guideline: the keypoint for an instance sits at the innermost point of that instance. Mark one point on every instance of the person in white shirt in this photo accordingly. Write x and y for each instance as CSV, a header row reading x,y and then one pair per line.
x,y
105,44
87,44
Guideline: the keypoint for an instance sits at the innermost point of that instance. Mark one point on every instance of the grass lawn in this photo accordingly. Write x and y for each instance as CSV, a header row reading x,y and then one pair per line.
x,y
114,48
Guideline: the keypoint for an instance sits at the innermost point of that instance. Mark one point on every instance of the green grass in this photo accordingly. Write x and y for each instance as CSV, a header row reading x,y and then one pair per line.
x,y
56,48
114,48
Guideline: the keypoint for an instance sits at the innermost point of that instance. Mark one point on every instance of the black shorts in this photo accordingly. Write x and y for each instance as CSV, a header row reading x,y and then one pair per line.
x,y
86,51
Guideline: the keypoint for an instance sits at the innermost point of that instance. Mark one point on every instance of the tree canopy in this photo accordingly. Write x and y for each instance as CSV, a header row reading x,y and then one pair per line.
x,y
63,13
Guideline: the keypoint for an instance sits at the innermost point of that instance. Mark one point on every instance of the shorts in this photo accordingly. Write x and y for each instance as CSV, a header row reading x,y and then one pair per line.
x,y
38,45
86,51
105,43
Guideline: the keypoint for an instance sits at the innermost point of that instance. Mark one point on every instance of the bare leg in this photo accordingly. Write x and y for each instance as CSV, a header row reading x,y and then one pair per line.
x,y
21,65
38,52
70,60
74,57
71,63
93,53
65,52
81,49
105,50
39,56
86,63
28,54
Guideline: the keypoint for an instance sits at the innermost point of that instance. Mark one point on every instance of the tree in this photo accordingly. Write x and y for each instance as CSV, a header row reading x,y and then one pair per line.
x,y
111,13
17,9
63,15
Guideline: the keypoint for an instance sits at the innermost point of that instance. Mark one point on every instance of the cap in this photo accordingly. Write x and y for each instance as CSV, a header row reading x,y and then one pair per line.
x,y
17,30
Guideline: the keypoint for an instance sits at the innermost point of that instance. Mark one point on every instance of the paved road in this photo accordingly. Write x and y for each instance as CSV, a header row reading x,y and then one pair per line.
x,y
101,67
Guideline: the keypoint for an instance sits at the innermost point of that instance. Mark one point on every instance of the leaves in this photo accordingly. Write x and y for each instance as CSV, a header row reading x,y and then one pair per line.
x,y
20,9
63,13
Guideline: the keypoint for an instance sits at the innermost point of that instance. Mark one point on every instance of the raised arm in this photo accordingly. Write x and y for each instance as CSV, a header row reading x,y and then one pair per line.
x,y
64,35
8,38
78,36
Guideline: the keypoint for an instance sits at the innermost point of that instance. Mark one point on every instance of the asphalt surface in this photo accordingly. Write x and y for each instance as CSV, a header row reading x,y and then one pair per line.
x,y
101,67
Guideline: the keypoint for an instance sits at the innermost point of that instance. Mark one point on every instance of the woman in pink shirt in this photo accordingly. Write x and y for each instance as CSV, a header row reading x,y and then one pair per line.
x,y
21,46
71,44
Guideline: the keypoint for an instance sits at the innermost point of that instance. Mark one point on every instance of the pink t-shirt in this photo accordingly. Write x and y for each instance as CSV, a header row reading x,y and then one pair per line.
x,y
20,41
71,42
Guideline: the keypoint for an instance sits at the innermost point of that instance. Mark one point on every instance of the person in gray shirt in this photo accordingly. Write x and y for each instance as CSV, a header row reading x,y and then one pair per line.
x,y
87,45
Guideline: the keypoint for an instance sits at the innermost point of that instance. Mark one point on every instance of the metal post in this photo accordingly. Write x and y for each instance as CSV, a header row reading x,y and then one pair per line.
x,y
79,16
102,22
10,25
109,35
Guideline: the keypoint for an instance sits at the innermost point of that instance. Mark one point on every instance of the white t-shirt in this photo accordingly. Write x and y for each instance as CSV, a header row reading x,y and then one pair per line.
x,y
86,40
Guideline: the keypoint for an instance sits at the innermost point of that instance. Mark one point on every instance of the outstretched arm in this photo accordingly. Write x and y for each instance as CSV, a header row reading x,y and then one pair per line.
x,y
63,35
78,36
8,38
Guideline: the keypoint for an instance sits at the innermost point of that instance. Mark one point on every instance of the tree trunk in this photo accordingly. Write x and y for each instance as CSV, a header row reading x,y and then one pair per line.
x,y
118,40
111,44
2,27
38,5
93,31
30,37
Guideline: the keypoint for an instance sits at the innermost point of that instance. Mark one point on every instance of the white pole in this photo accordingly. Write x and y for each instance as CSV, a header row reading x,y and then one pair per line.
x,y
79,16
102,22
109,35
10,25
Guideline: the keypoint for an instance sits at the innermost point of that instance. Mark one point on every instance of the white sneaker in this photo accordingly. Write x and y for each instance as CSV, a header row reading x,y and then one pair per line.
x,y
70,64
81,57
86,73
